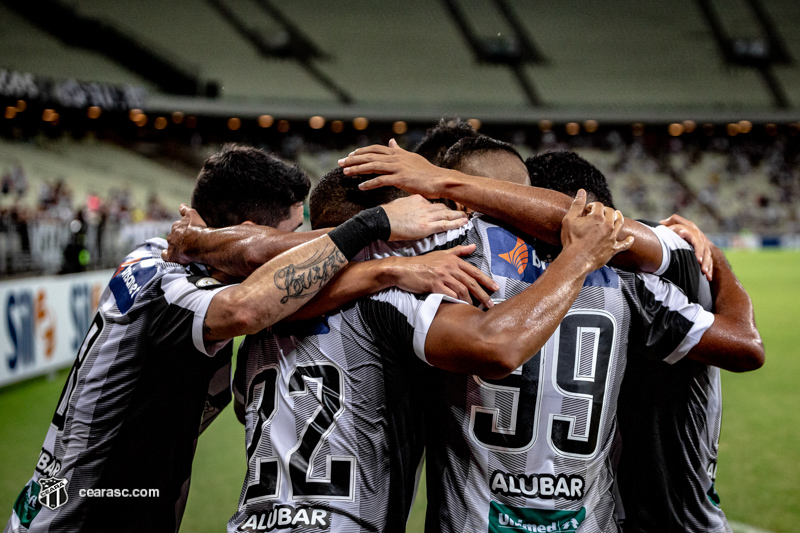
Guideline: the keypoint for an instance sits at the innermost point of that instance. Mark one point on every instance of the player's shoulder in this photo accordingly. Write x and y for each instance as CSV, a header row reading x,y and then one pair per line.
x,y
141,269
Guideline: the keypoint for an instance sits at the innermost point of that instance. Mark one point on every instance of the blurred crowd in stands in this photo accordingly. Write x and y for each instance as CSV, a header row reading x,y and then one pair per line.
x,y
746,183
59,234
742,183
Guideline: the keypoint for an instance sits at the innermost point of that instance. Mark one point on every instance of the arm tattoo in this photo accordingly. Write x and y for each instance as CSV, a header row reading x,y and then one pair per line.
x,y
306,279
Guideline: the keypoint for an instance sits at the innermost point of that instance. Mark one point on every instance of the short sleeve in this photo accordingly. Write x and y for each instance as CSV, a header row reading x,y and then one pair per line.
x,y
194,294
666,325
679,265
399,320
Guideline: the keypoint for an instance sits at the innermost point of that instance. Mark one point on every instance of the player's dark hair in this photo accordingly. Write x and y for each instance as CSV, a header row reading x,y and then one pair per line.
x,y
241,183
337,198
567,172
472,146
441,137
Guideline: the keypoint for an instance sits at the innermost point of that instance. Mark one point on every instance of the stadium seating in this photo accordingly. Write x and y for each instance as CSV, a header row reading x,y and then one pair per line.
x,y
94,167
623,55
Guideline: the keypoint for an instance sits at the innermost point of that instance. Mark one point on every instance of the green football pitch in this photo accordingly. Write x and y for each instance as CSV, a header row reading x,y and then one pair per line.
x,y
758,477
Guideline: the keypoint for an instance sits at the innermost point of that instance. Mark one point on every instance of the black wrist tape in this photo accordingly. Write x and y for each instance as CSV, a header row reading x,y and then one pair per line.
x,y
357,233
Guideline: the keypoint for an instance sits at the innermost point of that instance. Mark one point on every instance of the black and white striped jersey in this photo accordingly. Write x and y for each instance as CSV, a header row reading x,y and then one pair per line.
x,y
531,451
334,429
669,417
142,388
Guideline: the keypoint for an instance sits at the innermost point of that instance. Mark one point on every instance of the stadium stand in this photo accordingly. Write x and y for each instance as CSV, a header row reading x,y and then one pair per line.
x,y
27,48
94,194
666,55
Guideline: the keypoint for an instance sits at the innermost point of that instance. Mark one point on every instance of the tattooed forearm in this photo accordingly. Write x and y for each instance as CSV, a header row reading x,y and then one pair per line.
x,y
306,279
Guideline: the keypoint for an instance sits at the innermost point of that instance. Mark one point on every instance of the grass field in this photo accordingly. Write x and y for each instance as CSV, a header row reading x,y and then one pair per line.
x,y
759,465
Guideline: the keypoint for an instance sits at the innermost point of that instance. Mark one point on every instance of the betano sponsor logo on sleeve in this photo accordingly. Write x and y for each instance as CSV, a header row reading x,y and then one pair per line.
x,y
512,257
129,279
506,519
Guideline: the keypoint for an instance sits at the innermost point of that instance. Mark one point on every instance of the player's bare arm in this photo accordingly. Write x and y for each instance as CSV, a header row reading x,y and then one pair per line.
x,y
441,272
535,211
281,286
239,250
235,250
494,343
733,341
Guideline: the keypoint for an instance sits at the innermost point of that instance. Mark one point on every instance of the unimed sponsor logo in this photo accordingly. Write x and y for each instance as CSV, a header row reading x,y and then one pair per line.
x,y
505,518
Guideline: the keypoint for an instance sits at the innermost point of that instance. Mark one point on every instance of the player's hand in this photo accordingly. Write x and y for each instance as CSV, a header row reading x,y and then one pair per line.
x,y
688,231
414,217
400,168
444,272
176,251
590,232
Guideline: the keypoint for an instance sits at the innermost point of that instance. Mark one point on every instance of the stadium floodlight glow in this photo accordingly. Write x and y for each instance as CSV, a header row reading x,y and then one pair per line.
x,y
675,129
360,123
55,119
475,123
745,126
316,122
94,112
234,123
160,123
11,112
141,120
637,128
265,121
573,128
283,126
545,125
399,127
337,126
733,129
689,126
177,117
133,114
590,126
22,105
48,115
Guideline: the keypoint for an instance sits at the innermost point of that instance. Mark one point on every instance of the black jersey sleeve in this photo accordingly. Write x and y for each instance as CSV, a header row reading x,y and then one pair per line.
x,y
679,265
400,320
665,324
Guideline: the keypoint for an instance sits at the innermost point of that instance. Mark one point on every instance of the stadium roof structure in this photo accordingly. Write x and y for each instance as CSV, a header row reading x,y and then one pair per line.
x,y
504,60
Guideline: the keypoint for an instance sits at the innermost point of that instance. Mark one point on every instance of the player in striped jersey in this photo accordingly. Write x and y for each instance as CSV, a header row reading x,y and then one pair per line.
x,y
333,410
154,368
532,453
669,415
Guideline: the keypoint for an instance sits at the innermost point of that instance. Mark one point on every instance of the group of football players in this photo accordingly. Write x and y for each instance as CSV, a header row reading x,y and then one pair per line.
x,y
555,364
